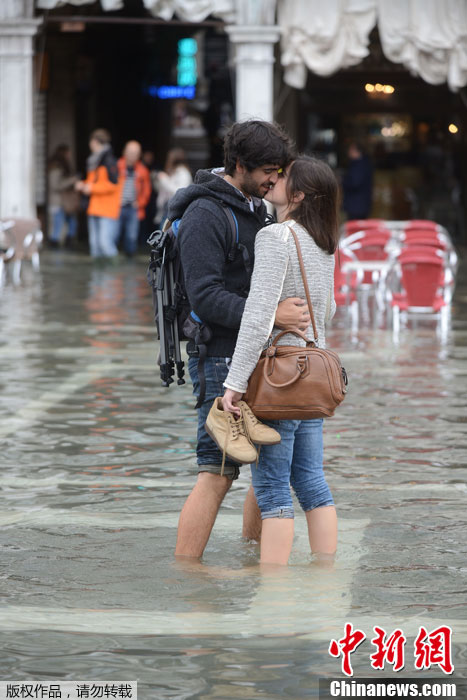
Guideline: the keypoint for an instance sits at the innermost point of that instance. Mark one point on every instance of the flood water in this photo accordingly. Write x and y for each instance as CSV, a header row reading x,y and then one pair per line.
x,y
97,460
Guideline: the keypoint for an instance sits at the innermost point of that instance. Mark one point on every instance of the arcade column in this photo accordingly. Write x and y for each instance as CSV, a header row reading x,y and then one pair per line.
x,y
254,74
17,31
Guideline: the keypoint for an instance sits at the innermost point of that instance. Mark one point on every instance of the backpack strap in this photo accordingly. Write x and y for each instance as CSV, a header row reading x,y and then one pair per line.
x,y
233,227
233,223
235,243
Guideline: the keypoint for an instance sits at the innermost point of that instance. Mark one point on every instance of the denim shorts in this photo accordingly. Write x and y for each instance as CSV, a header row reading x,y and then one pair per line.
x,y
208,455
298,461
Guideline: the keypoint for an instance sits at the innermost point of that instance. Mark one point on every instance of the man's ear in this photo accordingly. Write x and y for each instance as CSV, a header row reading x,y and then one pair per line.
x,y
240,168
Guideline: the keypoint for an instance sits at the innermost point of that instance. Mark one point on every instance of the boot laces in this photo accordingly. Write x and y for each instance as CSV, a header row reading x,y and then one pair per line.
x,y
250,413
238,427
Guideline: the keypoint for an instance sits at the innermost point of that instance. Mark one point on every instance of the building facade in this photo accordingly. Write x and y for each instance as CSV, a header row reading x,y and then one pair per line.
x,y
65,68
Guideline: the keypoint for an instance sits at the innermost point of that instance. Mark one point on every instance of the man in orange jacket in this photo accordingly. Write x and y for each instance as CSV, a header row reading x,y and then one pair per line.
x,y
103,189
135,185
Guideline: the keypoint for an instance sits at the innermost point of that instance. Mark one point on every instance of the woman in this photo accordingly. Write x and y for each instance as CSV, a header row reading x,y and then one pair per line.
x,y
63,200
306,199
176,174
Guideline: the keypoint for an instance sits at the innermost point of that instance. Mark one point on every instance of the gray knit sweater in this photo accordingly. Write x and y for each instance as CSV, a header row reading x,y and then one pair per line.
x,y
276,276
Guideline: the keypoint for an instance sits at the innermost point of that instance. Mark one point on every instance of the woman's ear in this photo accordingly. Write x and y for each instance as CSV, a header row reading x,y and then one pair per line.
x,y
298,197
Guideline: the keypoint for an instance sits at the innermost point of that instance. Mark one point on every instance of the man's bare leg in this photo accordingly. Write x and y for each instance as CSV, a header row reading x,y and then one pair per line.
x,y
251,517
199,514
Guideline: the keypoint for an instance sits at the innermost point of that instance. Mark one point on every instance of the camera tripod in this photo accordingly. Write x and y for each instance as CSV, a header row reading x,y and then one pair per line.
x,y
161,272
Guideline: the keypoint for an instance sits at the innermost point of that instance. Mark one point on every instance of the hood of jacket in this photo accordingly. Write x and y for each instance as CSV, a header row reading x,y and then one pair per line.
x,y
211,185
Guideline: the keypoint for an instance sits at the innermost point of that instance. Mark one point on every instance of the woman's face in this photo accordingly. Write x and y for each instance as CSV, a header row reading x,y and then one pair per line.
x,y
277,195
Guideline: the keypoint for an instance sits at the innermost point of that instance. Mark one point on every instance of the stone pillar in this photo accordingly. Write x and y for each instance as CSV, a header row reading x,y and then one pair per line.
x,y
17,31
254,74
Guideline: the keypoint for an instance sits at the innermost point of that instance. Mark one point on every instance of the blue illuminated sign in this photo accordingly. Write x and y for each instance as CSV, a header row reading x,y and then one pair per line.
x,y
187,47
172,92
187,70
187,74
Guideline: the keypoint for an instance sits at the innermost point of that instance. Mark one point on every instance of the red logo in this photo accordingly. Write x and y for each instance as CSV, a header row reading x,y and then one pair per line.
x,y
347,646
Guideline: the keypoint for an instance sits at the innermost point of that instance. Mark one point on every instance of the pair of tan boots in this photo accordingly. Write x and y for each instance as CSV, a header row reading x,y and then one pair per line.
x,y
235,436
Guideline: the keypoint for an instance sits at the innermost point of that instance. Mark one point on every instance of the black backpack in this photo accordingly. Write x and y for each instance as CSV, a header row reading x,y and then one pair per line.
x,y
174,317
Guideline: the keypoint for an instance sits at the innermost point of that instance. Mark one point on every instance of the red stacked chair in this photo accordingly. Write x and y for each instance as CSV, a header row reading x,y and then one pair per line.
x,y
424,224
422,276
346,284
354,225
371,245
429,237
439,242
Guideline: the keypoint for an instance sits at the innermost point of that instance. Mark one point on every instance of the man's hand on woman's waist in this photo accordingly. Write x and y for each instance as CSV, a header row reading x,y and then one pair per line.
x,y
292,313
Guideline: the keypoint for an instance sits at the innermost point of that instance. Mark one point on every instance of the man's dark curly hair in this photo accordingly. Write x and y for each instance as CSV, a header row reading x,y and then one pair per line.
x,y
255,143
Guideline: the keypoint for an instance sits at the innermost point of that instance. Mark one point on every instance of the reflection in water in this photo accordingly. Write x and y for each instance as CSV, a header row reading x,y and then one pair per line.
x,y
97,460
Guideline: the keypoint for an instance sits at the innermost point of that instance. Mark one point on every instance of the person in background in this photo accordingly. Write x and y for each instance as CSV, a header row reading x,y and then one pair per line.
x,y
103,189
175,175
357,183
136,191
147,224
63,200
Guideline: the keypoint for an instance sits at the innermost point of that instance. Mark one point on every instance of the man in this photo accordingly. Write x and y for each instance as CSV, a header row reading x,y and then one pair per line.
x,y
254,153
357,183
101,185
136,191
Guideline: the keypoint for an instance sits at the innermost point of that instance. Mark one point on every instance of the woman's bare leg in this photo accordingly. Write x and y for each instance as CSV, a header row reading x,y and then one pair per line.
x,y
322,529
276,540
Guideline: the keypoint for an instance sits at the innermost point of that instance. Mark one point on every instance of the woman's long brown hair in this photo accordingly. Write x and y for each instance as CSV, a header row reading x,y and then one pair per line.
x,y
318,211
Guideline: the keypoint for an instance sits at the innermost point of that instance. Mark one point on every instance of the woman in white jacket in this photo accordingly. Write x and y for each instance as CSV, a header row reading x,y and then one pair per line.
x,y
306,199
166,182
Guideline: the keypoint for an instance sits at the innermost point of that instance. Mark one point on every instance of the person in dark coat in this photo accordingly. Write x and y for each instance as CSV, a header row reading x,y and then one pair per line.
x,y
357,183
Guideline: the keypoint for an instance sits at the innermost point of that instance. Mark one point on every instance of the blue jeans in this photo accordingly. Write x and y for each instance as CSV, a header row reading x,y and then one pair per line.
x,y
128,228
209,457
59,219
102,234
296,460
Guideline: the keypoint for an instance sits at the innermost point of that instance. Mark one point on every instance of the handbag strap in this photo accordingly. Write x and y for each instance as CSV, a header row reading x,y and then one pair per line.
x,y
305,283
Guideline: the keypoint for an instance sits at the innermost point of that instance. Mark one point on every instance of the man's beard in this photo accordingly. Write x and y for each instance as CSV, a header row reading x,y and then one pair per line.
x,y
251,188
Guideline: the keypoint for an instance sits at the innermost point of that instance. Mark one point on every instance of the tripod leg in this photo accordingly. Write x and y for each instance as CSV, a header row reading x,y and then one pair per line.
x,y
168,326
162,336
176,338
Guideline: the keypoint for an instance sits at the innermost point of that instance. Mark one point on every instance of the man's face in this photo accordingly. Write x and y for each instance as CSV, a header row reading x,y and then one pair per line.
x,y
353,152
258,182
132,153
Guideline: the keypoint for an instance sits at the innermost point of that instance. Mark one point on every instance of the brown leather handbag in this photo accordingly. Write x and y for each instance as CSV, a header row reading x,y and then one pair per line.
x,y
297,382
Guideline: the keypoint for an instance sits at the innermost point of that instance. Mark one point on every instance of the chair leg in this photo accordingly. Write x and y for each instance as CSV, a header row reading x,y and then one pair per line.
x,y
396,323
444,323
365,305
17,271
2,270
379,293
354,315
35,260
